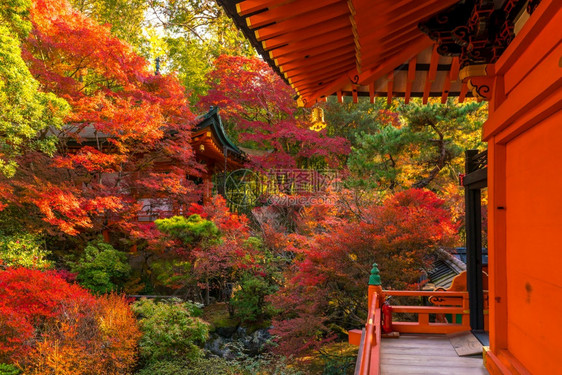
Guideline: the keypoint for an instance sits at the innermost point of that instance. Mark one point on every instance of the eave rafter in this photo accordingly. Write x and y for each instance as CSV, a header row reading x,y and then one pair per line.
x,y
430,78
356,43
252,6
312,53
318,48
308,37
285,12
451,77
315,75
313,62
392,48
410,79
303,21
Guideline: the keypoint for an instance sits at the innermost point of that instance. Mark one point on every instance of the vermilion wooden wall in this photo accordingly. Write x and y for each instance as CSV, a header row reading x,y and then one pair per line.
x,y
524,134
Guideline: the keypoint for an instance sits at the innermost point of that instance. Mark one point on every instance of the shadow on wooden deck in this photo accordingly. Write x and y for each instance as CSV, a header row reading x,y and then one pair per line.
x,y
426,354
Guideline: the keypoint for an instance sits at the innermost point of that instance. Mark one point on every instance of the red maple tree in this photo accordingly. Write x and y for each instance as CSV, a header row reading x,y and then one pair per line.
x,y
215,249
327,282
264,115
127,136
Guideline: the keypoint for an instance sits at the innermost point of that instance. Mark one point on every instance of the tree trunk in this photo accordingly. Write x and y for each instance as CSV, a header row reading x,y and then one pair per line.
x,y
207,297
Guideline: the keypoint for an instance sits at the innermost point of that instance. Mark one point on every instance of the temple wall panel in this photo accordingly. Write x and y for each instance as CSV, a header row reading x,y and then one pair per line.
x,y
524,132
534,246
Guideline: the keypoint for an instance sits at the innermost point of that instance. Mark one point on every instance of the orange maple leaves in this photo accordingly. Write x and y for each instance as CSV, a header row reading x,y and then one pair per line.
x,y
124,124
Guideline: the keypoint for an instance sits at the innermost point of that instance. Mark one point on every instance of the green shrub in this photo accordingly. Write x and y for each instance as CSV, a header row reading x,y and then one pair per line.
x,y
23,250
171,329
189,230
164,367
269,364
102,268
6,369
262,365
249,301
203,366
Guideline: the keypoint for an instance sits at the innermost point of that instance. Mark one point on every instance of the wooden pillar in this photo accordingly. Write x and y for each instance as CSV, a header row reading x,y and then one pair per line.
x,y
497,252
105,234
207,189
473,225
208,182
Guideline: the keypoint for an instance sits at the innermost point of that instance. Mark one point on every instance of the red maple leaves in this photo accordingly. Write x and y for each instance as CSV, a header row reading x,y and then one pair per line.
x,y
260,105
334,250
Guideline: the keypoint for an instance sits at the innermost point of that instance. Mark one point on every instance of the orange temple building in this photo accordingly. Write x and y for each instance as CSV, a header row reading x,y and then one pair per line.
x,y
507,52
214,149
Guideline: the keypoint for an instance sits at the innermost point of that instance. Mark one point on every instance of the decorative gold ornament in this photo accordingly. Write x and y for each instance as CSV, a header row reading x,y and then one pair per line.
x,y
479,80
317,119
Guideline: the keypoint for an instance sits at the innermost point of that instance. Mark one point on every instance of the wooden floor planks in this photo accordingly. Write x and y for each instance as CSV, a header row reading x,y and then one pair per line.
x,y
426,354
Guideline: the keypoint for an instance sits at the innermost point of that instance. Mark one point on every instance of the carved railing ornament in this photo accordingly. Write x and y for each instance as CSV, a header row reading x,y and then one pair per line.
x,y
476,31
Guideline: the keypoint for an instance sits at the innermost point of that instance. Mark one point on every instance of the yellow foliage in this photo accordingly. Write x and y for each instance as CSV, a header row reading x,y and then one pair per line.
x,y
102,340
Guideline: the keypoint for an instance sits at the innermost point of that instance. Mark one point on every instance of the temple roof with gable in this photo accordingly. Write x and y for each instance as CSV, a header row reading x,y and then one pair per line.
x,y
210,141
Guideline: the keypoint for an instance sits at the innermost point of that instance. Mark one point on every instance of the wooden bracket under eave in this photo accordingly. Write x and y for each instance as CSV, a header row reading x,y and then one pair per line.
x,y
479,80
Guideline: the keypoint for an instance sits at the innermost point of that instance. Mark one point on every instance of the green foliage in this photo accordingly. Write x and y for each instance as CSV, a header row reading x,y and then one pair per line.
x,y
350,119
164,367
187,36
249,301
14,14
218,316
269,364
337,358
339,365
378,167
126,17
266,364
102,268
6,369
171,329
412,145
23,250
203,366
12,220
189,230
26,113
172,272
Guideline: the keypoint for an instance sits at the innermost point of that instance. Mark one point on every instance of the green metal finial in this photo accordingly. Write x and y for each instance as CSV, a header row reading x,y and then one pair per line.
x,y
375,278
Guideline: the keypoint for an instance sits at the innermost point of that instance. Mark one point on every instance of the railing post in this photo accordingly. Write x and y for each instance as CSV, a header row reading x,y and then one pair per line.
x,y
370,358
375,286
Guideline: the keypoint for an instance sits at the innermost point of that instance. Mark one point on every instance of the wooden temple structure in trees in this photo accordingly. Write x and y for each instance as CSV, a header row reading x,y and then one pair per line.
x,y
212,146
214,149
507,52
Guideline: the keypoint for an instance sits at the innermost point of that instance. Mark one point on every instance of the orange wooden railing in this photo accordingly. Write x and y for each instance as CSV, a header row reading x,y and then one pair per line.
x,y
369,340
423,325
368,362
